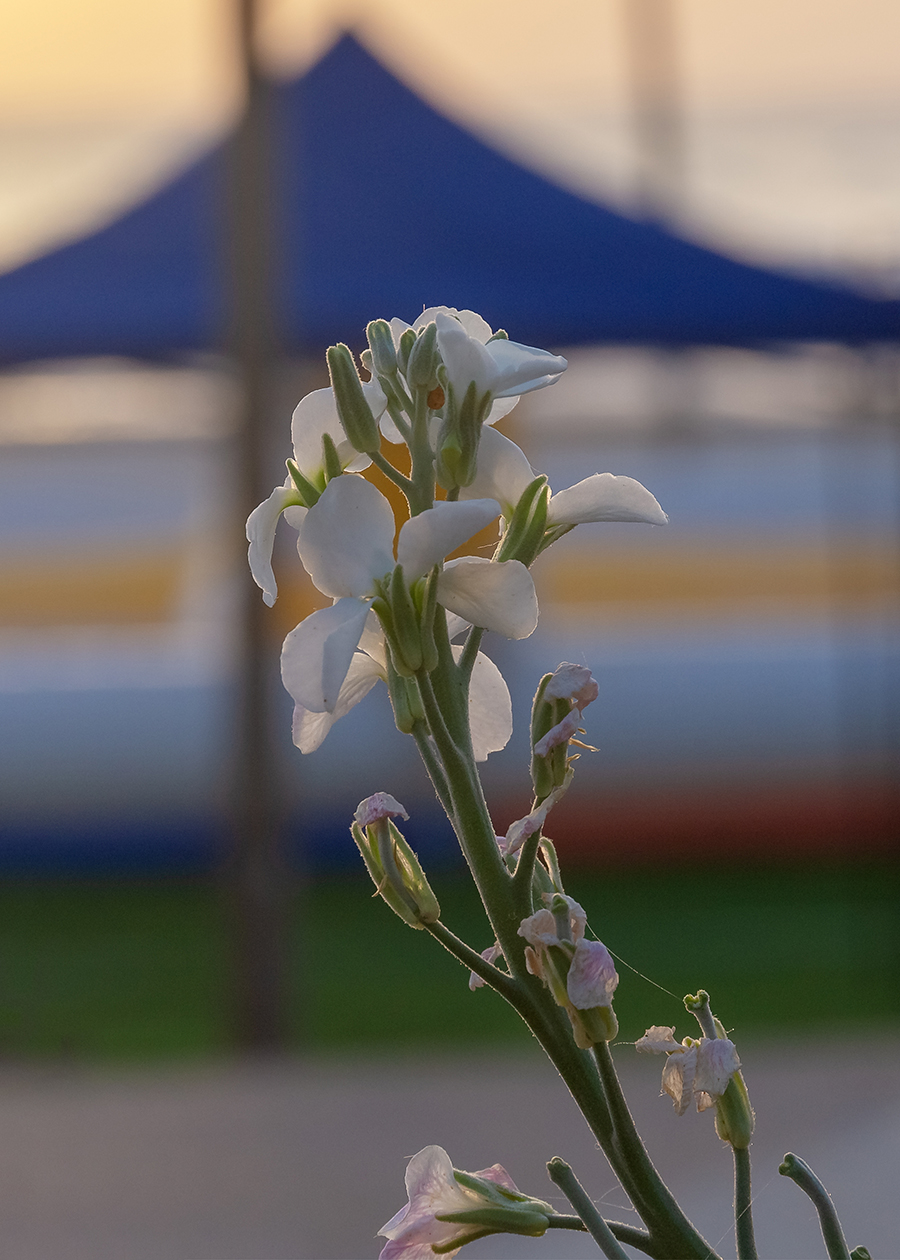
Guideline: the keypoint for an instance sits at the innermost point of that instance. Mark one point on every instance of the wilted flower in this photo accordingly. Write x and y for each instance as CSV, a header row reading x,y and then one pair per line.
x,y
697,1071
489,1199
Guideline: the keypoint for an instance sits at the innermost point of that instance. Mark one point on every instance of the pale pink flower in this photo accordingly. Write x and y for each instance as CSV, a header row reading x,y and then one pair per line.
x,y
695,1071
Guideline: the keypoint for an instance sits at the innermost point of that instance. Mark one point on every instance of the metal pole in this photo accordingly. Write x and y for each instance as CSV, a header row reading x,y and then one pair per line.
x,y
257,870
651,39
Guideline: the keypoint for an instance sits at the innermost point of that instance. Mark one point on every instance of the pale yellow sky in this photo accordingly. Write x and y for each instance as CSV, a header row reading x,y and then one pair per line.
x,y
63,58
792,107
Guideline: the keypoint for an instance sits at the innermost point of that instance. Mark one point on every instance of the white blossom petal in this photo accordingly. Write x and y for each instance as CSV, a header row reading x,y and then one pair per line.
x,y
261,525
316,656
490,707
317,414
592,977
497,595
475,326
520,369
604,497
678,1078
539,929
465,359
501,407
425,539
503,472
309,729
346,540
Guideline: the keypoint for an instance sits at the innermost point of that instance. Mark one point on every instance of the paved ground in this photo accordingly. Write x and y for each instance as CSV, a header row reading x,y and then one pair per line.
x,y
303,1160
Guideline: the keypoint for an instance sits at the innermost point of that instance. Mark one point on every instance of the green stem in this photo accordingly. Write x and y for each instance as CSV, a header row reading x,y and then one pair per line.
x,y
800,1172
466,662
743,1200
435,770
561,1175
649,1193
391,473
503,984
422,456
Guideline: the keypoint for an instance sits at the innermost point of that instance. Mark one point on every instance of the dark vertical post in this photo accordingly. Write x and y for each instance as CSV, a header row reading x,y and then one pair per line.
x,y
256,871
652,54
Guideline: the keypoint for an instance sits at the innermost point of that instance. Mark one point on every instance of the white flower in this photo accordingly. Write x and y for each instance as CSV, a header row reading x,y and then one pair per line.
x,y
314,416
346,545
433,1191
500,368
695,1071
504,474
490,707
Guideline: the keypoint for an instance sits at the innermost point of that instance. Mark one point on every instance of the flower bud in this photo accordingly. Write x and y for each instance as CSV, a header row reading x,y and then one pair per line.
x,y
393,866
381,345
407,341
528,524
422,365
355,413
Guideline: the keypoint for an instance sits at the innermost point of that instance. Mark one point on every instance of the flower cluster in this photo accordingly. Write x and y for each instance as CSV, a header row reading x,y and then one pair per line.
x,y
437,385
696,1070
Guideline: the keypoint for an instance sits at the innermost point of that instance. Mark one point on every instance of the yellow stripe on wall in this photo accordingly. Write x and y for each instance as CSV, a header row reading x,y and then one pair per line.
x,y
802,577
117,588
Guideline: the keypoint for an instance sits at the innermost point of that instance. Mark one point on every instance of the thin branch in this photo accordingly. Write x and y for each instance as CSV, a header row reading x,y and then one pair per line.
x,y
433,766
561,1175
497,979
743,1203
391,472
802,1175
466,662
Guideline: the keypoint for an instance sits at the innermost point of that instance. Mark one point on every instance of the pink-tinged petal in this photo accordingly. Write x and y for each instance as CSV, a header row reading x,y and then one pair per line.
x,y
678,1078
520,369
261,525
604,497
520,830
539,929
560,734
427,538
657,1040
309,729
346,540
592,978
503,472
497,595
316,656
717,1061
574,683
379,805
577,915
490,955
490,707
317,414
500,1177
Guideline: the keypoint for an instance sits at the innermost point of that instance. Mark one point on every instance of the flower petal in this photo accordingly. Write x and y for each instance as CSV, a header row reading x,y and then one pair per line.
x,y
520,369
346,540
717,1061
501,407
317,414
465,359
497,595
261,525
309,729
657,1039
503,472
490,707
476,327
316,656
678,1078
592,978
605,497
425,539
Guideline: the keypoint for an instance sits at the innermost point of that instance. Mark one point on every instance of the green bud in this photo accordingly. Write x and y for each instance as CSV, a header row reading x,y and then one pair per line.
x,y
406,621
596,1024
500,1220
547,772
429,610
355,414
331,461
407,341
528,524
422,365
305,488
381,342
396,872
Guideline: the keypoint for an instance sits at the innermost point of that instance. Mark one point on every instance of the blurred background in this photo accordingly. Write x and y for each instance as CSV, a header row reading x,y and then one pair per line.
x,y
698,203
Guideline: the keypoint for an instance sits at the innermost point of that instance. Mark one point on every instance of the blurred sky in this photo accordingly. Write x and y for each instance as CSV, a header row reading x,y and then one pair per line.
x,y
791,107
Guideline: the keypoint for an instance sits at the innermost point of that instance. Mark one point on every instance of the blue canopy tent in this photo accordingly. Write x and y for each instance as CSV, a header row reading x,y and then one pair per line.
x,y
383,205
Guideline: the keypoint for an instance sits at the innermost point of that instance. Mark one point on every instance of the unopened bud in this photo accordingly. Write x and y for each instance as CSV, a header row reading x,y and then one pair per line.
x,y
392,864
381,344
422,365
355,413
407,341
